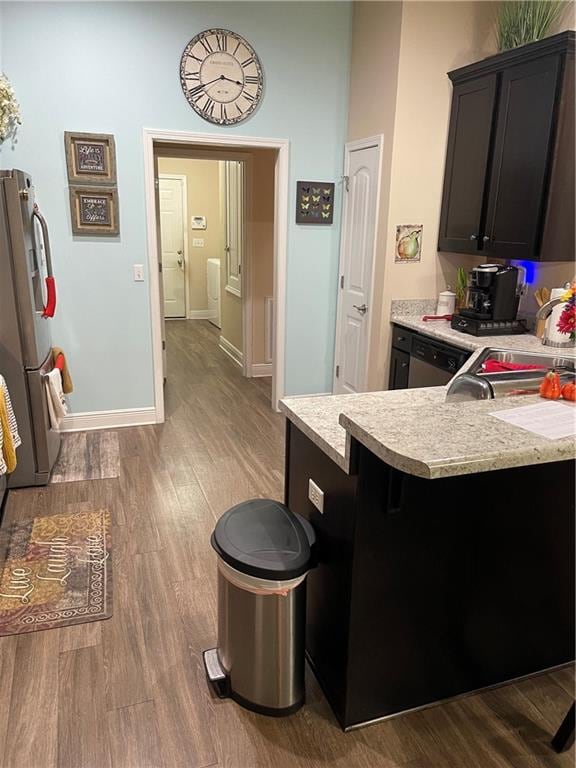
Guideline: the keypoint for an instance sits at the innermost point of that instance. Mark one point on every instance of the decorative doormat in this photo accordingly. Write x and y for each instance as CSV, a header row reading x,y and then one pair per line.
x,y
57,572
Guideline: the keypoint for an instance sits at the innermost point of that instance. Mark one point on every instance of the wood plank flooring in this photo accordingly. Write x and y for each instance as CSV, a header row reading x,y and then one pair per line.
x,y
130,692
87,456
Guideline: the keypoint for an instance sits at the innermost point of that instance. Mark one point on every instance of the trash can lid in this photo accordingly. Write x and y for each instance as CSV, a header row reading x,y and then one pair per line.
x,y
264,538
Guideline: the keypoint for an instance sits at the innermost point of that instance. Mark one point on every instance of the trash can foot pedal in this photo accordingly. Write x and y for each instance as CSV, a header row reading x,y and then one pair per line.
x,y
217,677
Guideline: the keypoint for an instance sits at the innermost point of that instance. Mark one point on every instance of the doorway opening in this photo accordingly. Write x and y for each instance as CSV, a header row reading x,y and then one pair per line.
x,y
217,244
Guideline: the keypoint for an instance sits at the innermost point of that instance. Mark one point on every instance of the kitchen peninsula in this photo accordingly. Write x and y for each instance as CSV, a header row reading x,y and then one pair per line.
x,y
444,546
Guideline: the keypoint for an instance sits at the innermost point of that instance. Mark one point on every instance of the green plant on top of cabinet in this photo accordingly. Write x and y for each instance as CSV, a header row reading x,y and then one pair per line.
x,y
509,176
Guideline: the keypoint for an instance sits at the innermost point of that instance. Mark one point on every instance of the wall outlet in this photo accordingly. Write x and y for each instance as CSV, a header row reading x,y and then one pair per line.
x,y
316,495
198,242
138,272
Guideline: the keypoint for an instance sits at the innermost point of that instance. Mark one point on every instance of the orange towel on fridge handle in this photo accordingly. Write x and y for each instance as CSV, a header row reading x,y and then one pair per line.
x,y
67,386
8,448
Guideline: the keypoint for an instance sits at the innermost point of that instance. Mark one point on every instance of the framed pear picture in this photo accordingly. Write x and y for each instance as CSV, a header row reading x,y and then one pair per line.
x,y
408,243
90,158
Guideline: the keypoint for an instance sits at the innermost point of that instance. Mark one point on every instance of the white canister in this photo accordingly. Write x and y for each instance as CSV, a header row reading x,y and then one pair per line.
x,y
552,331
446,303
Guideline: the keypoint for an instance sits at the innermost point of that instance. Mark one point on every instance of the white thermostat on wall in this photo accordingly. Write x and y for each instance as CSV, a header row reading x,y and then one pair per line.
x,y
198,222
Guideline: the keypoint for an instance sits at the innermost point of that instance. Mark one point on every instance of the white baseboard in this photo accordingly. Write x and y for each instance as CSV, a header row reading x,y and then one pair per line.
x,y
130,417
231,351
260,369
202,314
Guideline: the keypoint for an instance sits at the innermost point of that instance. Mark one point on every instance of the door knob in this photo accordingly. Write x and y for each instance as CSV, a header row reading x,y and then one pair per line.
x,y
473,237
362,308
180,263
179,253
486,238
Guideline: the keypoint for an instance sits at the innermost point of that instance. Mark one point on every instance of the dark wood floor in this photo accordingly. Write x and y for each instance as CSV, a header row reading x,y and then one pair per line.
x,y
130,692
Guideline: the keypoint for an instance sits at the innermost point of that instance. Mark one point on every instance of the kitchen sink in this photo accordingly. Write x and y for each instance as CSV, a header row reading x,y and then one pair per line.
x,y
550,360
475,384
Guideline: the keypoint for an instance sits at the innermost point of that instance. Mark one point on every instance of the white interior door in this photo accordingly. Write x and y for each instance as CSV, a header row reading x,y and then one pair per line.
x,y
234,207
360,214
172,221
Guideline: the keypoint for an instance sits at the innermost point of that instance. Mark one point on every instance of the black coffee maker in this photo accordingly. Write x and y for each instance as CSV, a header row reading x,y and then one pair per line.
x,y
492,305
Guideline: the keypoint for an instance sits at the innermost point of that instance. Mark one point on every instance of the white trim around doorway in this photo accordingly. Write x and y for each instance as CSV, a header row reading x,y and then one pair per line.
x,y
150,136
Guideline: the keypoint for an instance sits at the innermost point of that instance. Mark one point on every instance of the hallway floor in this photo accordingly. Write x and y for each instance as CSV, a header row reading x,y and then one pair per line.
x,y
130,692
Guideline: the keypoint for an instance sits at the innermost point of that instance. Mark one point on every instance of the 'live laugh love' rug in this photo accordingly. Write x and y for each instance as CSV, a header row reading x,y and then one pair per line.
x,y
57,572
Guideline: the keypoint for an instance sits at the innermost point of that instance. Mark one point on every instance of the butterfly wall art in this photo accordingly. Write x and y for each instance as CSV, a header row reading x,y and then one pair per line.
x,y
314,202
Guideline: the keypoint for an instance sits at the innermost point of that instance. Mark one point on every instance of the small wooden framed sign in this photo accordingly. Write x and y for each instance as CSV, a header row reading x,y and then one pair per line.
x,y
90,157
94,210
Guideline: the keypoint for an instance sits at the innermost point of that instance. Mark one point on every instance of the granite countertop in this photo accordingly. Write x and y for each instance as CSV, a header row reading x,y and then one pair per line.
x,y
318,416
416,431
455,438
440,329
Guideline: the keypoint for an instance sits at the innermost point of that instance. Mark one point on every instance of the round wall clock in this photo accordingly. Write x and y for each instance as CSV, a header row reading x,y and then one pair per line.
x,y
221,76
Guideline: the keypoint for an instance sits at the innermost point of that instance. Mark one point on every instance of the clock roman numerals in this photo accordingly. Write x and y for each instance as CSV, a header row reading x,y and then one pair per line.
x,y
208,106
221,76
205,43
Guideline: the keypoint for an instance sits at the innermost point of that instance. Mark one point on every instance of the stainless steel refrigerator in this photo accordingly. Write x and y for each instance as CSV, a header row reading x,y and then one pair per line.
x,y
27,303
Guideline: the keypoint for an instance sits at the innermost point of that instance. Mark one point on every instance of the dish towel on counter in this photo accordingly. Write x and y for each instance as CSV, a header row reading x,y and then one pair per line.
x,y
499,366
9,437
57,407
66,378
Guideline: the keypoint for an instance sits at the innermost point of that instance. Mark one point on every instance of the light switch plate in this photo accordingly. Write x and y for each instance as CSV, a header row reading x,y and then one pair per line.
x,y
198,242
138,273
316,495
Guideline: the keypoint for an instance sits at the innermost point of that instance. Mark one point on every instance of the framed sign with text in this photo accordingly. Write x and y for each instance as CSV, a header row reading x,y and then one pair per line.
x,y
90,158
94,210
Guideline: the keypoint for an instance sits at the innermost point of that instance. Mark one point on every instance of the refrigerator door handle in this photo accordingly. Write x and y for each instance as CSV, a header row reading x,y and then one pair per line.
x,y
50,306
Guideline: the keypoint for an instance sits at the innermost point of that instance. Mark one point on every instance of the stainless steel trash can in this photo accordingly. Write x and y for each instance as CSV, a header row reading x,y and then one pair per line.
x,y
264,553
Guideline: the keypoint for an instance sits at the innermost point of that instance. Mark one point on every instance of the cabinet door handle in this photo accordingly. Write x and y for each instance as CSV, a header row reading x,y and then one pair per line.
x,y
473,237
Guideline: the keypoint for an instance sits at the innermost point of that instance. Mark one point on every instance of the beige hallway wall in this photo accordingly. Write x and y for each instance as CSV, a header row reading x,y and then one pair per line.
x,y
376,34
428,40
262,267
203,192
260,229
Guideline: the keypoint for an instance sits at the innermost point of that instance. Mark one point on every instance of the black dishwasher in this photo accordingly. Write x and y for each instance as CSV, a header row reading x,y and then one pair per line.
x,y
420,361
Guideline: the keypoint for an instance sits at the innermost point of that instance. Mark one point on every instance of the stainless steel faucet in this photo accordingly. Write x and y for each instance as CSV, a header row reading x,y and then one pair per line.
x,y
544,312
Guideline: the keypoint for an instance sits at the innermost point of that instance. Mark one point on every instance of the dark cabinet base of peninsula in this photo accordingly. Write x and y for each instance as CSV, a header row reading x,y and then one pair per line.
x,y
428,589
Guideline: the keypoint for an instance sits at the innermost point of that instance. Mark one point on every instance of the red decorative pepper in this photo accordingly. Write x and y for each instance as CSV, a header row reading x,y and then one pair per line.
x,y
569,391
551,387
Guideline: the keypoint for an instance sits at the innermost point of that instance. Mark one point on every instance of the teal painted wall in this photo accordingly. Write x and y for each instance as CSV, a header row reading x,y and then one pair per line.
x,y
113,68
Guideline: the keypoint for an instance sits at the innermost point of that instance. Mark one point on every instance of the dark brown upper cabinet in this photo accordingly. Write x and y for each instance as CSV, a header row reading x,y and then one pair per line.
x,y
509,178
